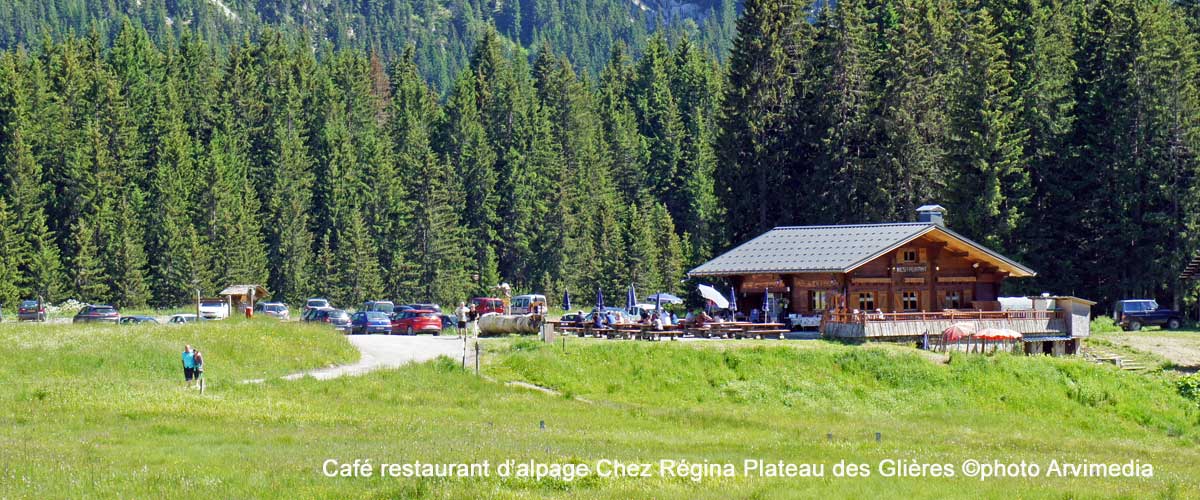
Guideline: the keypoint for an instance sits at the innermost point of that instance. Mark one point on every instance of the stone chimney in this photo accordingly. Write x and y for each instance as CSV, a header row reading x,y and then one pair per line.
x,y
932,214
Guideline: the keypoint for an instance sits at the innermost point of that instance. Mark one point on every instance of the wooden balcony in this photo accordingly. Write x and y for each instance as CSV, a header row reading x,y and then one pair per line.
x,y
882,326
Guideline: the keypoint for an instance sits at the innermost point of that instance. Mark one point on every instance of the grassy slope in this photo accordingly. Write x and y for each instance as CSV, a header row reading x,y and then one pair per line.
x,y
97,412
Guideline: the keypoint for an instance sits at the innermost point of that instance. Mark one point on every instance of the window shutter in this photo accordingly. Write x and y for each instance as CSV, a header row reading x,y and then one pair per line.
x,y
921,255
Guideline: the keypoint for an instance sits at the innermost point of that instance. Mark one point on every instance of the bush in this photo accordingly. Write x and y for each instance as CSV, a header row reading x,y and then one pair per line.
x,y
1189,387
1104,324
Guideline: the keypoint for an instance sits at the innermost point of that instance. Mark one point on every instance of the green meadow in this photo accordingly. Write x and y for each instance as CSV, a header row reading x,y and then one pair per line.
x,y
100,411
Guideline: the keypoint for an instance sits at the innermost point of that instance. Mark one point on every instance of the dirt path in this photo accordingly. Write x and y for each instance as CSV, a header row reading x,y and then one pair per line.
x,y
1181,350
387,351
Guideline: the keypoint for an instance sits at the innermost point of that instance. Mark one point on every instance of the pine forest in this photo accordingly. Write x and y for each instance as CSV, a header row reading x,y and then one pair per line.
x,y
426,150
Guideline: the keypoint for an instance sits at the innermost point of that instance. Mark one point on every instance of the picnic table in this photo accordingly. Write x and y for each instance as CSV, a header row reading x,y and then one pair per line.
x,y
731,329
740,329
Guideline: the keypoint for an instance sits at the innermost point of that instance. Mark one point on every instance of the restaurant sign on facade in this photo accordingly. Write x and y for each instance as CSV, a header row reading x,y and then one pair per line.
x,y
912,268
763,281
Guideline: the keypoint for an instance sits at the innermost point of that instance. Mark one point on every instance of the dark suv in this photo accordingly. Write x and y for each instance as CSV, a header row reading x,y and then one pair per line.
x,y
89,314
1132,315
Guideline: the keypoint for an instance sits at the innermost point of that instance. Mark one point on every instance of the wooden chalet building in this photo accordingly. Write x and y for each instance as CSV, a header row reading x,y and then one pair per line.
x,y
897,281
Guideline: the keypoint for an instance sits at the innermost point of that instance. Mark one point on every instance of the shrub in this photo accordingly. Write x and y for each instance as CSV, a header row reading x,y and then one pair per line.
x,y
1104,324
1189,387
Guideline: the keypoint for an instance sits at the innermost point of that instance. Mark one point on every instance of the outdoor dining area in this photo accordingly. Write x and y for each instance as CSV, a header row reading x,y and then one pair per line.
x,y
639,322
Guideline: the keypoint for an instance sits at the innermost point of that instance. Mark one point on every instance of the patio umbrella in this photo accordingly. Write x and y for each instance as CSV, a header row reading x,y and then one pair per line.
x,y
665,298
732,299
766,305
566,305
958,331
998,334
631,299
714,296
599,299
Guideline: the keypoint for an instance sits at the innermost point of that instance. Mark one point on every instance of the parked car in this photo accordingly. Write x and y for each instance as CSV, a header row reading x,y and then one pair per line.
x,y
30,310
97,313
1132,315
574,319
383,306
214,308
370,322
137,320
338,318
317,303
180,319
309,315
417,320
523,304
277,310
449,320
484,305
618,315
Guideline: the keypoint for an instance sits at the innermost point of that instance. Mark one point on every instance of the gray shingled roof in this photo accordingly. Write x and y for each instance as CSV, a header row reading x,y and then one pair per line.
x,y
835,249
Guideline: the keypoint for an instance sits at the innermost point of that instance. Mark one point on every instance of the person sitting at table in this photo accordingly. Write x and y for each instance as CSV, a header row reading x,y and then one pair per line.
x,y
597,320
754,315
674,319
657,321
702,319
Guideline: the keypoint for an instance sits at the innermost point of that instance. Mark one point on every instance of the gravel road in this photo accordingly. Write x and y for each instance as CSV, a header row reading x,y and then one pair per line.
x,y
390,351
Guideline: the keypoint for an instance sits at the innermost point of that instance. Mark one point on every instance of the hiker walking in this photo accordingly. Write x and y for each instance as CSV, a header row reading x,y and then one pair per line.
x,y
189,365
198,369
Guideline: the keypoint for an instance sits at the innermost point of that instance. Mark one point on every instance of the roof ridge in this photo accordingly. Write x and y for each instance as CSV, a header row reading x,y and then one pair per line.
x,y
841,226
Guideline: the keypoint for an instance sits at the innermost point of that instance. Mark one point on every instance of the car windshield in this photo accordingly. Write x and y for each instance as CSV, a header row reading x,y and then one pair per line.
x,y
338,315
317,302
377,316
103,310
212,303
273,308
29,303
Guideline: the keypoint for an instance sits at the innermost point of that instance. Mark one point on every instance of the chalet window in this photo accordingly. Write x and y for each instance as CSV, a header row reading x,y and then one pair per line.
x,y
817,300
908,301
866,301
910,256
952,300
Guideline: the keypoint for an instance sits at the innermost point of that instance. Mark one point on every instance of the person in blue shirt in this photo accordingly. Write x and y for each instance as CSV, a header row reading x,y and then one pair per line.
x,y
189,365
598,320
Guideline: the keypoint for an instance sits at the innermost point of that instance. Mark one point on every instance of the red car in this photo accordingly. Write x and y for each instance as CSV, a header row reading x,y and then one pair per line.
x,y
416,321
484,305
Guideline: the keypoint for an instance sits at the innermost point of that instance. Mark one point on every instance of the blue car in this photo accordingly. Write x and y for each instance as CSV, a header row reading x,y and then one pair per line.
x,y
370,322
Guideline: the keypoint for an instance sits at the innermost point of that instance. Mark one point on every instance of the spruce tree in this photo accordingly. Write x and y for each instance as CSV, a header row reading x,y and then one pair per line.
x,y
289,238
990,188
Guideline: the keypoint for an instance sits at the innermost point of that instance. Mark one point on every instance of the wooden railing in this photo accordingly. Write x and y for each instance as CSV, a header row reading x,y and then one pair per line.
x,y
863,317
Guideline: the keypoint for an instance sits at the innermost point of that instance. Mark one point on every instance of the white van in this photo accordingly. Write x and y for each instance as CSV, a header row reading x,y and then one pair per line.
x,y
523,304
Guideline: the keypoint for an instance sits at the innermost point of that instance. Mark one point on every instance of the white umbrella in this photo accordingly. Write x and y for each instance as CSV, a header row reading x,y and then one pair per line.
x,y
712,294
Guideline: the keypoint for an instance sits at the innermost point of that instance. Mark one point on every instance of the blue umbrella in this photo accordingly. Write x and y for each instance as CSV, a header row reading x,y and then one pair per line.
x,y
566,301
631,298
732,299
599,299
766,304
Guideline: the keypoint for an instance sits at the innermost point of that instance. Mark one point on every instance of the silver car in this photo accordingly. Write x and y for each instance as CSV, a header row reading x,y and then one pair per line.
x,y
277,310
